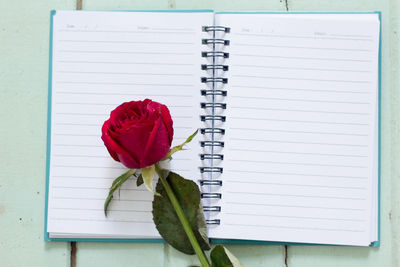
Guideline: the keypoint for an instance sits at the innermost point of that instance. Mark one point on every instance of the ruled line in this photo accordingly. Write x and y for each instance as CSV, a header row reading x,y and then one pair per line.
x,y
126,52
352,35
98,125
300,110
303,100
300,89
115,93
304,47
295,174
102,199
290,131
294,228
107,156
107,114
78,145
115,83
306,37
97,220
113,104
291,195
291,206
294,217
298,185
303,58
98,188
108,167
296,153
296,142
133,63
81,156
126,31
127,73
88,177
69,134
82,177
299,79
126,42
300,121
298,68
298,163
93,209
174,29
85,166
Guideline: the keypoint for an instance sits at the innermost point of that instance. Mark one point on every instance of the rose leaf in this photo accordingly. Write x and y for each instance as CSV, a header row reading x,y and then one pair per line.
x,y
168,223
115,185
180,147
222,257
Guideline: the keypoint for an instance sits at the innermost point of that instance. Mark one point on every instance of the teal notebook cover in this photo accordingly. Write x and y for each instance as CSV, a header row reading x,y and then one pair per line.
x,y
212,240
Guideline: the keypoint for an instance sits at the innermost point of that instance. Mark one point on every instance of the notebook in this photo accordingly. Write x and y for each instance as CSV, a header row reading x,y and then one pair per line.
x,y
288,110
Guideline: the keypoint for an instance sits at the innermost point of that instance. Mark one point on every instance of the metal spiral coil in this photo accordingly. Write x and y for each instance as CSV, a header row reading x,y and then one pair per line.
x,y
211,156
213,105
212,143
211,182
212,208
215,67
216,28
214,221
214,92
212,131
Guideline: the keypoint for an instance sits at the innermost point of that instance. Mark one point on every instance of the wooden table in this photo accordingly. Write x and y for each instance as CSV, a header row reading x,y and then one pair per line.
x,y
24,32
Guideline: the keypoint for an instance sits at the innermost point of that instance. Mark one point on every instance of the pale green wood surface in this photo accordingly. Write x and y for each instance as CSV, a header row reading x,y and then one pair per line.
x,y
24,29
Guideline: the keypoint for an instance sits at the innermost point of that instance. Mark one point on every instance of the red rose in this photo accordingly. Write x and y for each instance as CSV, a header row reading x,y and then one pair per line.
x,y
138,133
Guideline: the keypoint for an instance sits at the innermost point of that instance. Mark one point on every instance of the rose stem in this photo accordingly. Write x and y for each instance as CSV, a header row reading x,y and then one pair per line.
x,y
181,215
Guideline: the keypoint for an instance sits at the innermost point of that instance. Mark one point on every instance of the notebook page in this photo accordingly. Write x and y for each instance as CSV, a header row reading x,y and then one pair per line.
x,y
301,129
101,59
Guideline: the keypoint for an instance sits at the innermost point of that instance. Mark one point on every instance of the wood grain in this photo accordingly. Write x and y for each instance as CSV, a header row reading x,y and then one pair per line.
x,y
24,27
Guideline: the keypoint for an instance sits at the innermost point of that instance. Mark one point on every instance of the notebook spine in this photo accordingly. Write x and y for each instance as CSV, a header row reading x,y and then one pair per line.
x,y
214,93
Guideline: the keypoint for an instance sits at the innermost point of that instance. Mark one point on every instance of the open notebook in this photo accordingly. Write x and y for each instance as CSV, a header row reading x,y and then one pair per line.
x,y
287,104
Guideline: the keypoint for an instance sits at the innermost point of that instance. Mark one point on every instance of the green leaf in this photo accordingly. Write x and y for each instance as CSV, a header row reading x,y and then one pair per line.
x,y
139,180
180,147
148,175
222,257
166,220
115,185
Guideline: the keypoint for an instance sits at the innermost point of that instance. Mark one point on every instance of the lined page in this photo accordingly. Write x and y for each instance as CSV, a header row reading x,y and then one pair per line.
x,y
100,60
301,133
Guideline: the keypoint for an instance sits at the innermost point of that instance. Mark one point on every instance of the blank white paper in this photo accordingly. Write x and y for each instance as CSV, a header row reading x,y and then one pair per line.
x,y
301,132
101,59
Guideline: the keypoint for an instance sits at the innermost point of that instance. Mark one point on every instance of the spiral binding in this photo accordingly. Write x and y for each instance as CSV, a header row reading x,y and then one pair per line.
x,y
213,90
215,54
211,156
212,143
216,28
214,221
212,118
212,131
214,67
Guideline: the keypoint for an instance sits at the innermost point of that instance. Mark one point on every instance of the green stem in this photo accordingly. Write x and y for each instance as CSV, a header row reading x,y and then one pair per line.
x,y
181,215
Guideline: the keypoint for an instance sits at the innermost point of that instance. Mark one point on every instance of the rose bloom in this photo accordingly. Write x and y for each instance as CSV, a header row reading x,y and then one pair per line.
x,y
138,133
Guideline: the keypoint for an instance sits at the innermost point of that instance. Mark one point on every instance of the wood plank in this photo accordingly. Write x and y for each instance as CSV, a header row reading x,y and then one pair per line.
x,y
119,254
155,254
229,5
124,4
24,39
